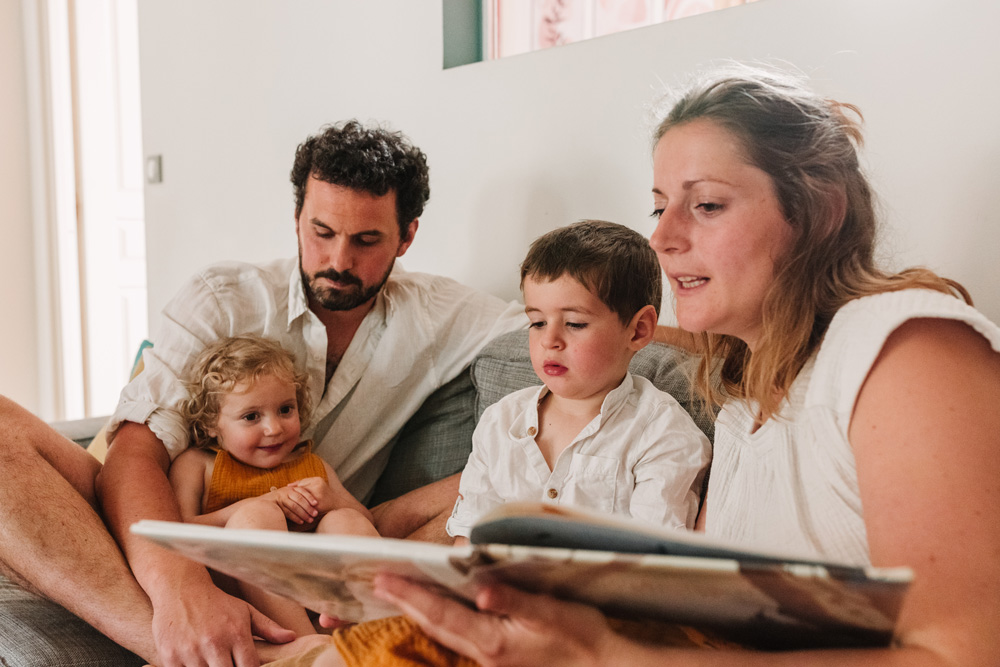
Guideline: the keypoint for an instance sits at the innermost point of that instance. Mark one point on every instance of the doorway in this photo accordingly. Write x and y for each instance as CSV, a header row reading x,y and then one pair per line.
x,y
88,144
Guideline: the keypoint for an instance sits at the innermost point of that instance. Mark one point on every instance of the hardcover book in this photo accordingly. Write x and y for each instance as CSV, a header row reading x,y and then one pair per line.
x,y
628,569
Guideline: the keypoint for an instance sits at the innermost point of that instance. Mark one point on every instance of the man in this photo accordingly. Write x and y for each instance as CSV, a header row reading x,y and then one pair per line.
x,y
376,341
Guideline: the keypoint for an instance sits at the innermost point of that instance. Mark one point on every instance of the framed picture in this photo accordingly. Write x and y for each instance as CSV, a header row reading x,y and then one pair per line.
x,y
519,26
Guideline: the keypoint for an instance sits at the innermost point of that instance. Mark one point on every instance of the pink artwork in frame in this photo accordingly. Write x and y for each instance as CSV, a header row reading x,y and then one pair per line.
x,y
520,26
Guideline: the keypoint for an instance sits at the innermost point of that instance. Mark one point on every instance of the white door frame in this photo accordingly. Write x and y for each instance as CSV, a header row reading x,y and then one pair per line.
x,y
86,175
53,194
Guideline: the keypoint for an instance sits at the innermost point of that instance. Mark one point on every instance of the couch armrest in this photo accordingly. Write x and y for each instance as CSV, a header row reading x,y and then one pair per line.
x,y
80,431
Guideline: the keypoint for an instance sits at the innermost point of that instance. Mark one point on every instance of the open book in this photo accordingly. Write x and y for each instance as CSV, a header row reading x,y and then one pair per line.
x,y
628,569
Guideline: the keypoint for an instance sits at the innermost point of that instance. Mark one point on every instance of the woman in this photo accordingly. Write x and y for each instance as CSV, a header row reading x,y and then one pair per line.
x,y
868,401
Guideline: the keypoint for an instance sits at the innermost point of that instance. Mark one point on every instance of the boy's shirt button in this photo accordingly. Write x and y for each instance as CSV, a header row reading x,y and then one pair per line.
x,y
553,493
532,430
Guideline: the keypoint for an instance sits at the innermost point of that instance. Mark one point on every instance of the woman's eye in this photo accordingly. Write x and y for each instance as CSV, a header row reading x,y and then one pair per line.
x,y
709,207
657,212
536,325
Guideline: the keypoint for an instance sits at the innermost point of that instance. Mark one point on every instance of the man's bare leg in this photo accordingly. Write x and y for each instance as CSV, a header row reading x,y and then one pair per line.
x,y
419,514
52,540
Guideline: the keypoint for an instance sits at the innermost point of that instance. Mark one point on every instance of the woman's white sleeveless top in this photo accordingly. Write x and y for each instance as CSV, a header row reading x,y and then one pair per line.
x,y
792,486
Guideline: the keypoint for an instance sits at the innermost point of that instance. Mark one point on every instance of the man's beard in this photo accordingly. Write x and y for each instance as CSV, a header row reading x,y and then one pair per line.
x,y
349,298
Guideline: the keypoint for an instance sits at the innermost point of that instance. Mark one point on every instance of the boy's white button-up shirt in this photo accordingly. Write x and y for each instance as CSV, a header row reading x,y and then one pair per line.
x,y
642,456
421,333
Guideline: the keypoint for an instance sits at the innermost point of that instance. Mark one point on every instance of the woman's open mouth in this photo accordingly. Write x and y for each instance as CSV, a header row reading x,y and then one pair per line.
x,y
690,282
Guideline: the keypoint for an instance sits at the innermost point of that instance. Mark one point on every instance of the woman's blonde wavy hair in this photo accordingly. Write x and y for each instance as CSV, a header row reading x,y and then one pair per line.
x,y
808,146
224,365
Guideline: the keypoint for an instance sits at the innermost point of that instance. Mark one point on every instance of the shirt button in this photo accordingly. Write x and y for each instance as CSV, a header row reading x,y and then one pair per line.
x,y
532,430
553,493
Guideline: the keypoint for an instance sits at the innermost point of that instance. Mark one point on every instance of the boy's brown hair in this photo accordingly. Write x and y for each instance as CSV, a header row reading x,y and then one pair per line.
x,y
229,362
611,260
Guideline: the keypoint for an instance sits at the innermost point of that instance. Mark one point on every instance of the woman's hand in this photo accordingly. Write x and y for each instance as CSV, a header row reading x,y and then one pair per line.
x,y
509,628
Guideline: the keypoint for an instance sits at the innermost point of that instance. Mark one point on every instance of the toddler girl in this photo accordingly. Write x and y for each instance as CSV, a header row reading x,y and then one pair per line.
x,y
247,467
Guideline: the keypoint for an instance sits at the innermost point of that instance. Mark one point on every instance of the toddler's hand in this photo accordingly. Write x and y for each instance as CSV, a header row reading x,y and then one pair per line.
x,y
319,491
298,504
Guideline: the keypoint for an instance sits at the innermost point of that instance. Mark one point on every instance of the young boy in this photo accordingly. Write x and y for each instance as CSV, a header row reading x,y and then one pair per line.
x,y
593,435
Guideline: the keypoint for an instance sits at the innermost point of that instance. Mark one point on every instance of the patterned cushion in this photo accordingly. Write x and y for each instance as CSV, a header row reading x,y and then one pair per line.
x,y
35,632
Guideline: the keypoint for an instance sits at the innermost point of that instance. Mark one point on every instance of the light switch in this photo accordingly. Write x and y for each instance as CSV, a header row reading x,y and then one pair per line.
x,y
154,169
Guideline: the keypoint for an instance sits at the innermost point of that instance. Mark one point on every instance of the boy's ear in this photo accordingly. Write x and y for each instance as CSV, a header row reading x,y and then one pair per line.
x,y
642,327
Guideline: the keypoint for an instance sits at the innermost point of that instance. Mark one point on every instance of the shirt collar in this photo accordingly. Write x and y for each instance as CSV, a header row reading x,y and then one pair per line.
x,y
388,293
614,400
298,304
617,397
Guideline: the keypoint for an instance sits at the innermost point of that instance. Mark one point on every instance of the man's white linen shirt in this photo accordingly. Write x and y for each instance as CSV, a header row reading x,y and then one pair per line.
x,y
422,331
642,456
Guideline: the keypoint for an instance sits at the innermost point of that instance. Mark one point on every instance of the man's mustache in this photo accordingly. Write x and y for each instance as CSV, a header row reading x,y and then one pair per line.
x,y
339,276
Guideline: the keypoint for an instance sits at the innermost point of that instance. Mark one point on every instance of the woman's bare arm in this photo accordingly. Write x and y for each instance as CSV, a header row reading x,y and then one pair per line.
x,y
926,436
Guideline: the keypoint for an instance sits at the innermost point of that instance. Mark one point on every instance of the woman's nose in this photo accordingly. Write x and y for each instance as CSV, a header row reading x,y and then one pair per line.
x,y
670,234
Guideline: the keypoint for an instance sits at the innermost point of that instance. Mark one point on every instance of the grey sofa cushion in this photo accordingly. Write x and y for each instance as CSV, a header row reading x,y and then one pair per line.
x,y
504,366
35,632
434,443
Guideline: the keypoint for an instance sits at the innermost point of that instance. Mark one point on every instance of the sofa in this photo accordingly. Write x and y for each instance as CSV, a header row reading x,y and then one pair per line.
x,y
436,442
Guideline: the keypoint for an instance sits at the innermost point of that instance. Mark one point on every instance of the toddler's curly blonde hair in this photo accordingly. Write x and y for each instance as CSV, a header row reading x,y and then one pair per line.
x,y
224,365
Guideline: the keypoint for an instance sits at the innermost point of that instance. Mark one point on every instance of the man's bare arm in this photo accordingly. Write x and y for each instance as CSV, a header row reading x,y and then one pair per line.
x,y
420,514
193,621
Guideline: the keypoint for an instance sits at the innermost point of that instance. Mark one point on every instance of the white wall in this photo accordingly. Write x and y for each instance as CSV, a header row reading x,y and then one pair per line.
x,y
526,144
19,368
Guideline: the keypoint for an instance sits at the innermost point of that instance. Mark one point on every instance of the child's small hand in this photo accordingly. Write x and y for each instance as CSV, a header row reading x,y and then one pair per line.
x,y
318,490
298,504
332,622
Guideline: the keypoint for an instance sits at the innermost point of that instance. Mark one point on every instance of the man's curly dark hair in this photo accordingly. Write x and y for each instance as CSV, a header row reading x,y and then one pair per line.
x,y
369,159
